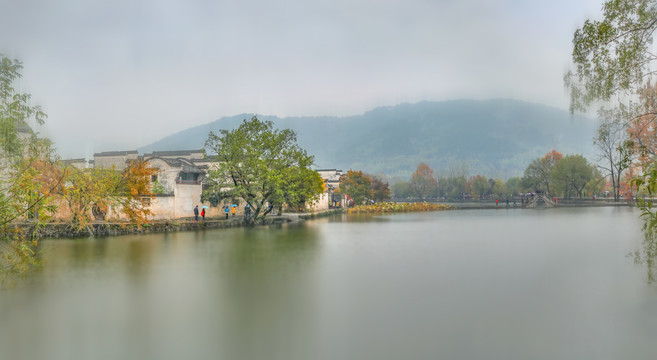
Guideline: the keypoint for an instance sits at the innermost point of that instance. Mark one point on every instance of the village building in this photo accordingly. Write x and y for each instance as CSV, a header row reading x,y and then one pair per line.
x,y
77,163
178,184
332,179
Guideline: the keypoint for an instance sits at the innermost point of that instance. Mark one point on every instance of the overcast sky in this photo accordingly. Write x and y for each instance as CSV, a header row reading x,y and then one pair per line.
x,y
119,74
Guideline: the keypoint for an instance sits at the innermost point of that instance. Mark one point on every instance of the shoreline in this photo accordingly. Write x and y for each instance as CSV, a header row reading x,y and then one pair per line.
x,y
105,228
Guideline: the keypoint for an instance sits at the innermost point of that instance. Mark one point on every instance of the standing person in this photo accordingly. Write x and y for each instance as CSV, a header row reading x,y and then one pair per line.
x,y
196,213
203,214
247,211
226,209
232,210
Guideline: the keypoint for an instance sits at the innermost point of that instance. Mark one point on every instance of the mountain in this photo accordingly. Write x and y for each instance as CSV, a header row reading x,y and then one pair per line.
x,y
494,137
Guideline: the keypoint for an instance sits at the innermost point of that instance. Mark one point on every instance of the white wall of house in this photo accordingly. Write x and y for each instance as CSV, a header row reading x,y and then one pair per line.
x,y
321,204
187,196
163,207
166,175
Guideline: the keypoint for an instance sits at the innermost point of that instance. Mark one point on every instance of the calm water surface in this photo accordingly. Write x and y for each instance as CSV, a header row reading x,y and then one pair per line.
x,y
476,284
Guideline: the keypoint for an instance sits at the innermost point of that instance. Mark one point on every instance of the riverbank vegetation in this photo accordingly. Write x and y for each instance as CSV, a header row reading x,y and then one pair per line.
x,y
555,174
396,207
361,188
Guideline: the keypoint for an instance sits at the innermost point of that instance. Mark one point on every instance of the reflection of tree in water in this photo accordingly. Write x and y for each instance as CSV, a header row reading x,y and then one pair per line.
x,y
17,259
647,255
267,291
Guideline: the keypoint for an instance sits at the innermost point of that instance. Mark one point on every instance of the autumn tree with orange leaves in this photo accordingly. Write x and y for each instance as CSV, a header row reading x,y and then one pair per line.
x,y
93,194
538,175
423,182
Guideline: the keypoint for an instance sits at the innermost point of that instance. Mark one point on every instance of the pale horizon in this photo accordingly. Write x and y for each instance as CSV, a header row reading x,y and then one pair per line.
x,y
122,74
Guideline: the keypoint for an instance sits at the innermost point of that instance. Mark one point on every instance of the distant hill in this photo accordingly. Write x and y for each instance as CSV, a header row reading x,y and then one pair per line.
x,y
494,137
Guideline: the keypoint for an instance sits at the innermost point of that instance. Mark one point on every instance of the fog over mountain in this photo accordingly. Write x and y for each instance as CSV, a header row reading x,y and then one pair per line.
x,y
494,137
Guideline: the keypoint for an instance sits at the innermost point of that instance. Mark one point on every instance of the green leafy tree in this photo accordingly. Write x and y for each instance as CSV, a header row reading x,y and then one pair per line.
x,y
614,66
453,187
597,183
571,174
514,186
499,188
613,56
262,166
302,185
402,190
356,185
479,186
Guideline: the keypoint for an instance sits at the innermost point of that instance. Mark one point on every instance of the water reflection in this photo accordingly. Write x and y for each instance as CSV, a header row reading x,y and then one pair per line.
x,y
647,255
475,284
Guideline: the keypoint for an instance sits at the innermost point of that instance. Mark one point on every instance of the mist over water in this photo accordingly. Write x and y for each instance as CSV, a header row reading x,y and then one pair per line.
x,y
505,284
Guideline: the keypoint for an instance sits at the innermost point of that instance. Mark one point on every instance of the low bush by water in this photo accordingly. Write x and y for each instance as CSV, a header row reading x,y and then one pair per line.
x,y
394,207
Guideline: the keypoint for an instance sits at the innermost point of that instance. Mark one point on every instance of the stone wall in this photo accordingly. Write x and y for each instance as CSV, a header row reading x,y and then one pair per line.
x,y
58,230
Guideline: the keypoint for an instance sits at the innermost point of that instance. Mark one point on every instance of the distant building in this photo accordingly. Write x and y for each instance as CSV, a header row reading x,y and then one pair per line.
x,y
116,159
78,163
332,179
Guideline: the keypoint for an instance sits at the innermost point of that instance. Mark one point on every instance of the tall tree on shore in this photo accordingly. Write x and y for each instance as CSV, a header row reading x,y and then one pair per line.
x,y
614,66
538,175
356,185
423,182
379,189
571,174
262,166
615,151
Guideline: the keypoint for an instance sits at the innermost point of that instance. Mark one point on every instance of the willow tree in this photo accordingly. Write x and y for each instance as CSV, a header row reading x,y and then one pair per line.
x,y
29,176
262,166
614,61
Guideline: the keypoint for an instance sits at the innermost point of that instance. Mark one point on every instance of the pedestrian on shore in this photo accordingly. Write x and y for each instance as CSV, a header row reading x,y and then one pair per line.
x,y
232,210
203,214
226,210
247,211
196,213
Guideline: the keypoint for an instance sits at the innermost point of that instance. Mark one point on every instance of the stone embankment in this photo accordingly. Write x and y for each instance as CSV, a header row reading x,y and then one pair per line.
x,y
64,230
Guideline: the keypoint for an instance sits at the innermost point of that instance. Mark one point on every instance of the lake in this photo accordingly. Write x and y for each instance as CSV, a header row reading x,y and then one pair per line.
x,y
468,284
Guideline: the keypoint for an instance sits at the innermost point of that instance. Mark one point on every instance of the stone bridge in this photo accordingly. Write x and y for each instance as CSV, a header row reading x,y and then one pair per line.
x,y
540,198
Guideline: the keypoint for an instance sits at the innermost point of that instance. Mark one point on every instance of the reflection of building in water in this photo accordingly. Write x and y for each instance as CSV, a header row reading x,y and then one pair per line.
x,y
178,183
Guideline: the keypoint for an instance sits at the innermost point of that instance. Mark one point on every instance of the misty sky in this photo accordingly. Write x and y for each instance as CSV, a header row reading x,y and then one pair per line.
x,y
119,74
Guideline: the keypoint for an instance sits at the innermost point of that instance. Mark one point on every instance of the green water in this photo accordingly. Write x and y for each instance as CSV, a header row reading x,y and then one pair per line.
x,y
474,284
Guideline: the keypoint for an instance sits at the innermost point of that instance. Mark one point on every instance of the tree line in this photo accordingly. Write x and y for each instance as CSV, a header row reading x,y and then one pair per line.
x,y
564,176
